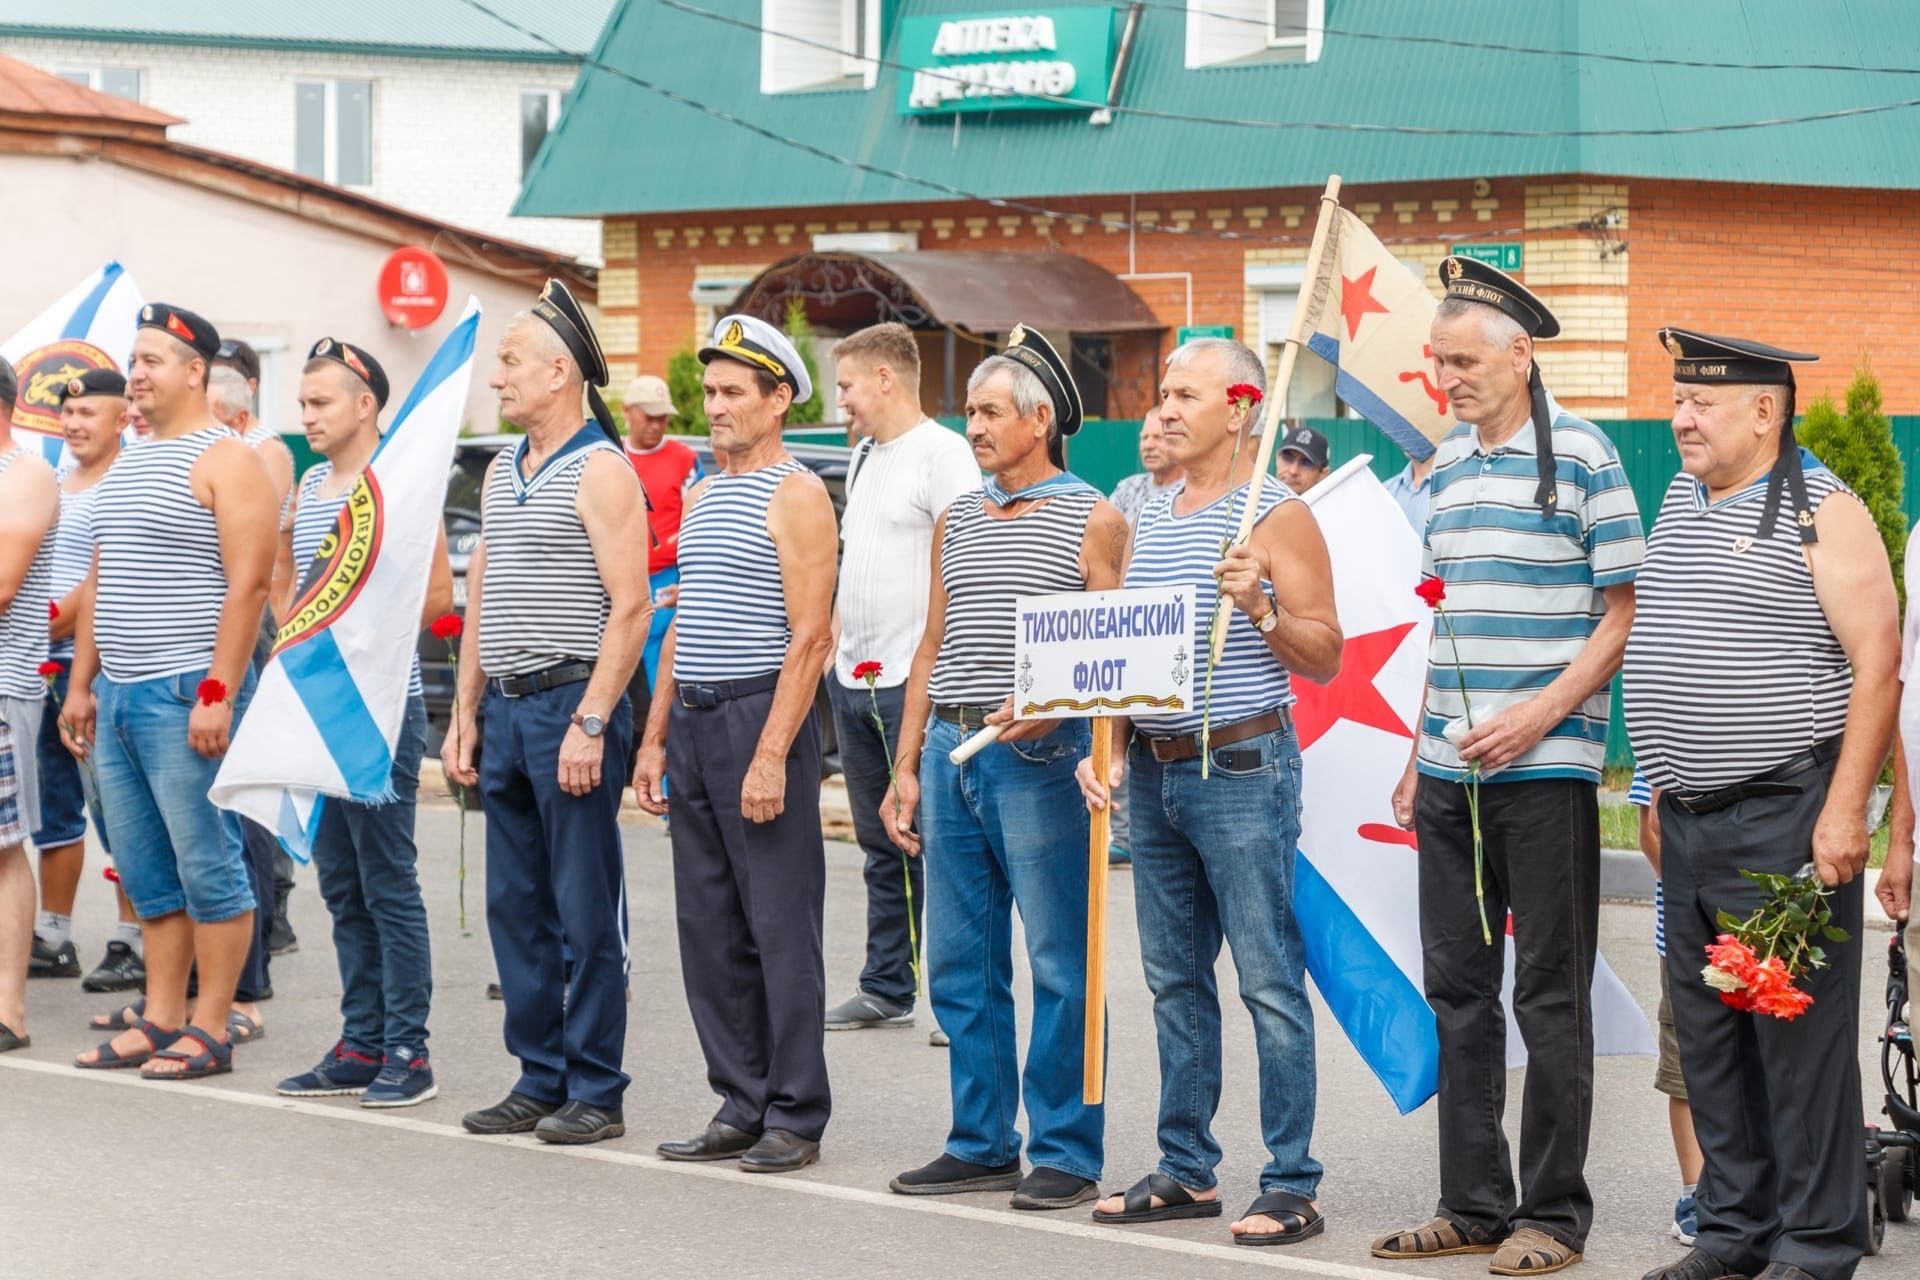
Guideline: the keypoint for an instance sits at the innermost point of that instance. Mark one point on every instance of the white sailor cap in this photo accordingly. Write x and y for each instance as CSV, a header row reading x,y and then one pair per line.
x,y
753,341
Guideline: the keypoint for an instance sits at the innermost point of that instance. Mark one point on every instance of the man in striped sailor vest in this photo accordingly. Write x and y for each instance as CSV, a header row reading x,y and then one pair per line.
x,y
732,726
1213,856
1761,687
1006,829
183,532
562,610
1534,532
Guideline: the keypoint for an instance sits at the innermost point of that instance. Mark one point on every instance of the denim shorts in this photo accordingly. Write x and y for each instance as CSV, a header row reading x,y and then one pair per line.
x,y
174,850
64,793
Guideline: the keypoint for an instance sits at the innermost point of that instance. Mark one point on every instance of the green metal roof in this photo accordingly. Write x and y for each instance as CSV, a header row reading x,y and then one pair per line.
x,y
412,28
623,149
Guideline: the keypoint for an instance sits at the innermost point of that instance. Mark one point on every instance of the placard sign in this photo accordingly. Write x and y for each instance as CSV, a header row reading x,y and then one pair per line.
x,y
1098,653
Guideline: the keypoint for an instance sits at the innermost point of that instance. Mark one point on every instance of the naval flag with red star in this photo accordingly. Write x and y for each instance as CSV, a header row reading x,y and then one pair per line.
x,y
1374,316
1356,882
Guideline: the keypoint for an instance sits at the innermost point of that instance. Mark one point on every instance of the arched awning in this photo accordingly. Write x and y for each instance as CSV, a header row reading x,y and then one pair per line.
x,y
979,291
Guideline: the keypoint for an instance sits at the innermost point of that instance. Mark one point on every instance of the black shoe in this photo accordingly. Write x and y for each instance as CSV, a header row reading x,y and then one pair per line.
x,y
516,1114
62,961
718,1142
493,991
1053,1189
1697,1265
280,936
950,1175
780,1151
121,969
577,1124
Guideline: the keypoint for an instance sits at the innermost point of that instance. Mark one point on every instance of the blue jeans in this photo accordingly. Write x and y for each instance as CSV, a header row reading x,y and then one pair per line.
x,y
657,632
65,796
863,761
173,848
1008,829
364,858
1214,860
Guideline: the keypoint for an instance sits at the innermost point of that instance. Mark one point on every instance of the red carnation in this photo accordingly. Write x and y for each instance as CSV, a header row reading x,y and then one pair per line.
x,y
868,671
211,692
1245,393
1431,590
110,874
447,626
53,610
50,669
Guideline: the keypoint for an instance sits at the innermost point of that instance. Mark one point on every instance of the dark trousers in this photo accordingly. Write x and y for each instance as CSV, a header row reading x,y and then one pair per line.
x,y
256,983
555,880
1776,1104
749,896
863,761
1542,862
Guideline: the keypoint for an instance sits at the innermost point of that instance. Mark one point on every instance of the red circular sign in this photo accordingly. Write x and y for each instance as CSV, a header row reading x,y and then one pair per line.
x,y
413,287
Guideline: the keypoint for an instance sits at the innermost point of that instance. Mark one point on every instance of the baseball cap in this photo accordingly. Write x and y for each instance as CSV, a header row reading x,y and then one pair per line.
x,y
649,395
1306,442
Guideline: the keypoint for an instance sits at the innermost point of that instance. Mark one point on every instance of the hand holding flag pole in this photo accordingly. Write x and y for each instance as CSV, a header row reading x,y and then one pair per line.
x,y
1306,318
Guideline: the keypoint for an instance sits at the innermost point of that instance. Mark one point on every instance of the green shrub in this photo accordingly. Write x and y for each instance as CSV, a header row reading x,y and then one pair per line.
x,y
689,400
800,329
1858,447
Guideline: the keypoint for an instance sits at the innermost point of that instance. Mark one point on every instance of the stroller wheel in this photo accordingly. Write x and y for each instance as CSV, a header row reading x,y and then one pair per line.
x,y
1876,1219
1896,1183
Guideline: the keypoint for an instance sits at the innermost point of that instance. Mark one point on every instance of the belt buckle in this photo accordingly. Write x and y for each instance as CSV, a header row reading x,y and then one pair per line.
x,y
699,697
503,685
1162,749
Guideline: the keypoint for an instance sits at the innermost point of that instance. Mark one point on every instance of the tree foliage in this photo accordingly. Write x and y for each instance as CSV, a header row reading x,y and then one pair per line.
x,y
1857,446
689,400
800,329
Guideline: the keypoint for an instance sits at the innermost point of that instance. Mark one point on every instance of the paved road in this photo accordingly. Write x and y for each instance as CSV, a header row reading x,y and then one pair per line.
x,y
321,1189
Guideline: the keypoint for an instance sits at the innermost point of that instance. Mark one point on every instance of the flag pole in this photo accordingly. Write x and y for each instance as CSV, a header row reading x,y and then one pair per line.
x,y
1093,1088
1305,318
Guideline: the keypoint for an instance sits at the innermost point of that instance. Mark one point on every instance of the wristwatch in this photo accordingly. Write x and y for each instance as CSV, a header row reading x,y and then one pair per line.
x,y
1267,621
592,726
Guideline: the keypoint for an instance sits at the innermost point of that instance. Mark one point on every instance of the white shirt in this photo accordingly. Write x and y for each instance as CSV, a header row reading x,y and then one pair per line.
x,y
897,494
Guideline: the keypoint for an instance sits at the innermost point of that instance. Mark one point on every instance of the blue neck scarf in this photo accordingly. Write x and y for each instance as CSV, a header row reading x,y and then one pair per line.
x,y
1052,486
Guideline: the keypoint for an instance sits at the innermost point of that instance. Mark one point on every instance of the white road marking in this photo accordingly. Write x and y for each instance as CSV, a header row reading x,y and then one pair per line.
x,y
1271,1258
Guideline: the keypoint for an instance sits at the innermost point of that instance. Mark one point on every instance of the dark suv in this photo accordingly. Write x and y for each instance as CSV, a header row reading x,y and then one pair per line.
x,y
472,457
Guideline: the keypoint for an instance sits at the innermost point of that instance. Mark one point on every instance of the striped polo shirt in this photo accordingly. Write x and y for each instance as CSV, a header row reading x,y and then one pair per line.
x,y
1732,667
1170,550
986,565
23,626
731,620
542,602
1523,589
313,518
162,582
72,552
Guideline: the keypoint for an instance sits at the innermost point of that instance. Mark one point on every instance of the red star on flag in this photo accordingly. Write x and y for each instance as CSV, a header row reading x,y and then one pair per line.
x,y
1357,300
1353,694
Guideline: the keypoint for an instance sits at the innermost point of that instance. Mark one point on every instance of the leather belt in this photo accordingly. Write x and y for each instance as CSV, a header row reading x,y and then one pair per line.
x,y
541,681
971,719
700,695
1777,781
1186,746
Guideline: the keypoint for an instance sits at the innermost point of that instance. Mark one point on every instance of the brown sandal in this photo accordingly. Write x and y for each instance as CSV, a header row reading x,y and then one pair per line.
x,y
1436,1238
1532,1252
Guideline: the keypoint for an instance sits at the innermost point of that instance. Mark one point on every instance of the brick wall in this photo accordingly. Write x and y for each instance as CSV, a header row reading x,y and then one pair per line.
x,y
446,131
1827,271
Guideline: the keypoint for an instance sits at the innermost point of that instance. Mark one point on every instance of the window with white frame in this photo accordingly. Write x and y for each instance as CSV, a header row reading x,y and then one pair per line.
x,y
539,115
121,82
1220,32
818,44
333,131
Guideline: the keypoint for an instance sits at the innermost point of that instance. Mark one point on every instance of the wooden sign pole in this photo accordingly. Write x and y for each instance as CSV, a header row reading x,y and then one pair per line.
x,y
1094,1086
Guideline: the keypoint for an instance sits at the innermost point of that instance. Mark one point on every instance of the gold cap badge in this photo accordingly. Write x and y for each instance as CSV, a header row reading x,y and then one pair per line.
x,y
1016,335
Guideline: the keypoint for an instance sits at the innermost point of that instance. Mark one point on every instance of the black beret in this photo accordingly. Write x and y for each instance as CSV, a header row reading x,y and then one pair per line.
x,y
94,382
1701,357
241,356
356,360
192,329
1477,282
1031,348
560,309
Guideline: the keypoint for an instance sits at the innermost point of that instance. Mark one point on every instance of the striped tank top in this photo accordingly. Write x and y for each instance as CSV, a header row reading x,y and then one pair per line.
x,y
72,552
315,517
1172,550
985,566
1731,667
732,620
162,583
542,602
23,627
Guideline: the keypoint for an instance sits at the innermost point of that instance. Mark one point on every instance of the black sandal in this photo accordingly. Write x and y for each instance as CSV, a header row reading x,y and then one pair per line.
x,y
1177,1203
1282,1206
214,1058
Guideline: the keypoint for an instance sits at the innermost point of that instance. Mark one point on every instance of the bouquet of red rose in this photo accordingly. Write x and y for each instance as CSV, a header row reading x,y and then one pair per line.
x,y
1753,962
